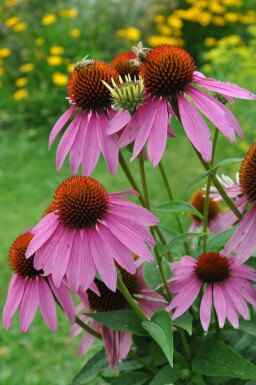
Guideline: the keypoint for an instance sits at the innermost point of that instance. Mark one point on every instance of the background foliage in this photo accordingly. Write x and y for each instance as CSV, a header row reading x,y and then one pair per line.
x,y
39,43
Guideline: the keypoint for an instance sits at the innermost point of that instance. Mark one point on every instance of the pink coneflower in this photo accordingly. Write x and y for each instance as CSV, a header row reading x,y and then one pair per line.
x,y
85,137
87,230
117,343
169,74
29,290
226,287
197,200
242,244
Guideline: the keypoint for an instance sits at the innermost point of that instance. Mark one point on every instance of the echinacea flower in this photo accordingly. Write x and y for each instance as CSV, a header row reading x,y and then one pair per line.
x,y
86,229
85,137
117,343
242,243
198,200
123,64
225,285
169,73
29,289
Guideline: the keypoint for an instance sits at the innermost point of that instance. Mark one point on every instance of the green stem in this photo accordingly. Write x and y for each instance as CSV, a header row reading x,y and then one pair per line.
x,y
123,289
219,187
206,212
185,344
171,197
130,177
147,203
143,363
87,328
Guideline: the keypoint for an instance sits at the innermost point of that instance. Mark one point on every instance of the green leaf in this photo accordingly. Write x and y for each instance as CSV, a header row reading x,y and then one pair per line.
x,y
248,327
151,273
217,359
90,370
178,207
217,241
125,319
166,375
184,322
134,378
214,170
197,379
180,239
160,328
157,356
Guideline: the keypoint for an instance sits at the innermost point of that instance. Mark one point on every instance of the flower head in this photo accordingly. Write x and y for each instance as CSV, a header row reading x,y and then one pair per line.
x,y
29,290
169,74
86,230
225,286
123,63
101,299
85,137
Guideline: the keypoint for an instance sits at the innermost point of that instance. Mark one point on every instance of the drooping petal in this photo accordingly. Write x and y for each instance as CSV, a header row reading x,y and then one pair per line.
x,y
60,123
62,257
236,299
195,128
67,141
90,146
108,144
185,298
118,122
205,308
219,303
87,340
47,304
64,298
134,213
87,264
104,262
232,314
14,298
75,155
29,304
158,135
129,133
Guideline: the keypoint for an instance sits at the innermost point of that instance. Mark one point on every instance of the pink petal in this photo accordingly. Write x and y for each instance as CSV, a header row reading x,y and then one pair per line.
x,y
116,195
64,298
120,253
228,89
236,298
214,110
90,146
108,144
195,128
87,340
205,308
158,134
29,304
43,231
134,213
62,256
67,140
60,123
232,314
14,298
87,265
129,133
75,155
74,263
219,303
104,262
118,122
184,299
47,304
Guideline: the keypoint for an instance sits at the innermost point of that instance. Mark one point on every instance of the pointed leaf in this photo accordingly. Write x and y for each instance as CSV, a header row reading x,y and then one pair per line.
x,y
152,275
160,328
90,370
216,242
184,322
167,375
180,239
128,378
218,359
120,320
178,207
248,327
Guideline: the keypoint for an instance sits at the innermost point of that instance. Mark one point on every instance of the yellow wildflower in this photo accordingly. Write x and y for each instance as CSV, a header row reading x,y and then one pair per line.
x,y
210,41
56,50
59,79
12,21
175,22
216,7
247,19
3,352
68,12
27,67
231,17
20,94
129,33
10,3
20,27
5,52
39,41
204,18
54,60
21,82
218,20
49,18
70,67
154,40
1,71
164,29
207,68
159,19
233,3
74,33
